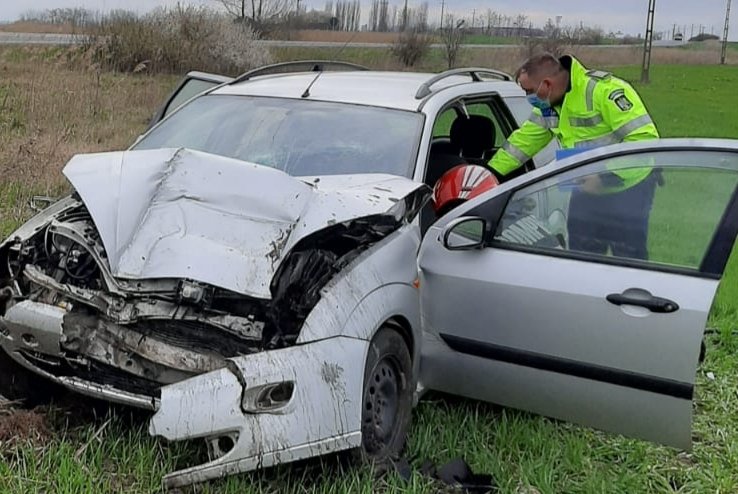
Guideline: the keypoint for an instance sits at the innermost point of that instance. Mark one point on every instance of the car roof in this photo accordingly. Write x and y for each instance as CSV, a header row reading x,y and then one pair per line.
x,y
386,89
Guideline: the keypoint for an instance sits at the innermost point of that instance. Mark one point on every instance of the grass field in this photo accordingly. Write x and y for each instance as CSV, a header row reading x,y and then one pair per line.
x,y
47,113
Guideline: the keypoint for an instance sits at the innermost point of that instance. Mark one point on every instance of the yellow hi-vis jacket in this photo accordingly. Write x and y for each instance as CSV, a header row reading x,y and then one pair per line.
x,y
599,109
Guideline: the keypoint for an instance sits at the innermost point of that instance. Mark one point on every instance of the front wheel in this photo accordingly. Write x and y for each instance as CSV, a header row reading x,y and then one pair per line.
x,y
387,397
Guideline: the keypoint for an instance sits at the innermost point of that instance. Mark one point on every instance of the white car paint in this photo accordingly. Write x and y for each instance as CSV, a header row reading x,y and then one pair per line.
x,y
160,212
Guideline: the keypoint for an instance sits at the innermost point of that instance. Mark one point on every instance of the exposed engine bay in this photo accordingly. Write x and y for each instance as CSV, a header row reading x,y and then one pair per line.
x,y
66,313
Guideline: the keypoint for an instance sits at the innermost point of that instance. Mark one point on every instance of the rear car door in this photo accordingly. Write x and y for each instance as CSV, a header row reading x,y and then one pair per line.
x,y
520,314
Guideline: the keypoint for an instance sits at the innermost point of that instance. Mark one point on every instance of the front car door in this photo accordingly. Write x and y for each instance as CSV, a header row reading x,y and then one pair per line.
x,y
536,319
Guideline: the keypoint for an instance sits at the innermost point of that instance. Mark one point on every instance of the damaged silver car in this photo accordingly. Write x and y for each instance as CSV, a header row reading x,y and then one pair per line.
x,y
261,271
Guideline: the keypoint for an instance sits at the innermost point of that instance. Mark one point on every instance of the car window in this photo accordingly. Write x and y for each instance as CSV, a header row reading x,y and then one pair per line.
x,y
662,208
442,125
191,88
520,108
300,137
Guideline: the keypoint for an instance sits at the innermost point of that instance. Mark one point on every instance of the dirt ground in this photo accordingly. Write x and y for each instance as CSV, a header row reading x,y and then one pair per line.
x,y
22,426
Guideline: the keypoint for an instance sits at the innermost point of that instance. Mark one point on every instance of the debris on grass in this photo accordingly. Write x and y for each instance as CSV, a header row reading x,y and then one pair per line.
x,y
455,476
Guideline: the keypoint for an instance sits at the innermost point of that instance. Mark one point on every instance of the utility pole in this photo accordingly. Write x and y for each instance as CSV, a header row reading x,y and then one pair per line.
x,y
474,16
673,31
724,52
443,4
645,68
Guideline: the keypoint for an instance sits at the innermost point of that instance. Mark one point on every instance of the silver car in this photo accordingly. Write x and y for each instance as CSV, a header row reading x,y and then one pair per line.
x,y
262,271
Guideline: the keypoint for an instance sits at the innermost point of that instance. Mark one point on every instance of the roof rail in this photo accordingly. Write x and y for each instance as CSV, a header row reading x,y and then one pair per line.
x,y
474,72
298,66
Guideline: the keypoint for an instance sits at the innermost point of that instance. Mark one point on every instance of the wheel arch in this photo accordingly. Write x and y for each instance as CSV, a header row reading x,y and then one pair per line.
x,y
400,324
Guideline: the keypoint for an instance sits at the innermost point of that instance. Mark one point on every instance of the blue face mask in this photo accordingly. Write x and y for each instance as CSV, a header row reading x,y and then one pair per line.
x,y
537,102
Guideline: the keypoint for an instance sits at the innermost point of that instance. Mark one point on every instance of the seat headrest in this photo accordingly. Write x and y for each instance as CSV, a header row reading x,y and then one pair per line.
x,y
473,135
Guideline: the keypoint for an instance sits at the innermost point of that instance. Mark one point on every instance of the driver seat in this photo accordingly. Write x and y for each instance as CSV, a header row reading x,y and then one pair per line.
x,y
475,137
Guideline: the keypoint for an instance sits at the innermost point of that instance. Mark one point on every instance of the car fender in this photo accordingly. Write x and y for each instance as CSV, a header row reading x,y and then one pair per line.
x,y
374,288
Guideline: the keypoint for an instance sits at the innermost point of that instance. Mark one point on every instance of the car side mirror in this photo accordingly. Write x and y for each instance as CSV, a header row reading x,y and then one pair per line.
x,y
465,233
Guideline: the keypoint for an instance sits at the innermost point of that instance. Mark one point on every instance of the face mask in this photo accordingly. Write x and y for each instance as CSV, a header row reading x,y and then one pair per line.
x,y
536,102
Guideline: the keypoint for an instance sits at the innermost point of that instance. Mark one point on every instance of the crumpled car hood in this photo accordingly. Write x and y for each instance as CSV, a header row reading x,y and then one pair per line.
x,y
169,213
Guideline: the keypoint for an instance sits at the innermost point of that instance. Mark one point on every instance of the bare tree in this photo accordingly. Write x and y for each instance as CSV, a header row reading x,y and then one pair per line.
x,y
520,23
419,17
452,36
259,12
374,16
378,15
348,14
555,40
394,18
411,46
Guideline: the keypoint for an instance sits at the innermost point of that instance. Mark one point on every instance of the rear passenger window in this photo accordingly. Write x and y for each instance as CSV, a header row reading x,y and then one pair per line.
x,y
442,127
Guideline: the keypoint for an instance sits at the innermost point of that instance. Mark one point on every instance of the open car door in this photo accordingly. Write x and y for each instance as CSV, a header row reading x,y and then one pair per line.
x,y
515,312
193,84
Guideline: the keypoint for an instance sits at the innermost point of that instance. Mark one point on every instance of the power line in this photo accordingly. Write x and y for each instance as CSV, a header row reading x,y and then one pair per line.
x,y
645,68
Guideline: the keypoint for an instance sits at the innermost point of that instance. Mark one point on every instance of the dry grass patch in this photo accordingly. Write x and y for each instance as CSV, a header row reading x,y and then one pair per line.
x,y
40,27
344,36
18,426
49,112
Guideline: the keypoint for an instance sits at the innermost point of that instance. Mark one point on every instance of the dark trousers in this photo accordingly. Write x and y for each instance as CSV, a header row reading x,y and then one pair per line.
x,y
618,221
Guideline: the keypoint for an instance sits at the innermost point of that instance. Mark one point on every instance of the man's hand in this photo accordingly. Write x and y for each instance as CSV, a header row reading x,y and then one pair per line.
x,y
591,184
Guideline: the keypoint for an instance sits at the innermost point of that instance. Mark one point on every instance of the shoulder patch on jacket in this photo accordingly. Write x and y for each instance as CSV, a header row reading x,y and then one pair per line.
x,y
619,98
598,74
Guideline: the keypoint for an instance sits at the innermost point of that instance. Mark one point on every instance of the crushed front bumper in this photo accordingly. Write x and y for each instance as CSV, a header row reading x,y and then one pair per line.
x,y
31,333
322,414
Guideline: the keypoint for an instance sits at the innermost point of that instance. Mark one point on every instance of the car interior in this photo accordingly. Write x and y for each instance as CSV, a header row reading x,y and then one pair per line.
x,y
468,131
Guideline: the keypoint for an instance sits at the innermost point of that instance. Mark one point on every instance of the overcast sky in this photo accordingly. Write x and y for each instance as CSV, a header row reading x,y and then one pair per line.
x,y
624,15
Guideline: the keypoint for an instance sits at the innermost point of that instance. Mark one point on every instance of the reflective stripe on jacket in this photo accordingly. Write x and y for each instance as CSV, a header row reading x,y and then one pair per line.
x,y
599,109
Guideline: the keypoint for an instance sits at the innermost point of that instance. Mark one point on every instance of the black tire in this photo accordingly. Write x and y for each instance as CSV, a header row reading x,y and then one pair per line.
x,y
19,384
386,399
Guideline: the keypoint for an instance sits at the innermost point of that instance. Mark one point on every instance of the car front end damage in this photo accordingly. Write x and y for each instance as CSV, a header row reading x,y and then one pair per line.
x,y
170,281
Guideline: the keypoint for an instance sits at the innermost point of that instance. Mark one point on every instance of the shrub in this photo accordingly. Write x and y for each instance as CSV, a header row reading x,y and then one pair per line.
x,y
175,40
410,47
452,37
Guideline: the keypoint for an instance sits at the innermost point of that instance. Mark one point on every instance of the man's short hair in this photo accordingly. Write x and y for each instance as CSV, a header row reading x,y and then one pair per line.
x,y
543,64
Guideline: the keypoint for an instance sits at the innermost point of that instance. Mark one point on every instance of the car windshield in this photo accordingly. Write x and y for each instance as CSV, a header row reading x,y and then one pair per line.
x,y
299,137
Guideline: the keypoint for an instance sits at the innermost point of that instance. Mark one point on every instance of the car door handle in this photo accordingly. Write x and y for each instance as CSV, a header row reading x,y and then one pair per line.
x,y
654,304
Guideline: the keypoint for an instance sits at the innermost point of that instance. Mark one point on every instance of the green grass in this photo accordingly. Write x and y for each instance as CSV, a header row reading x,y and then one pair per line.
x,y
689,100
522,451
